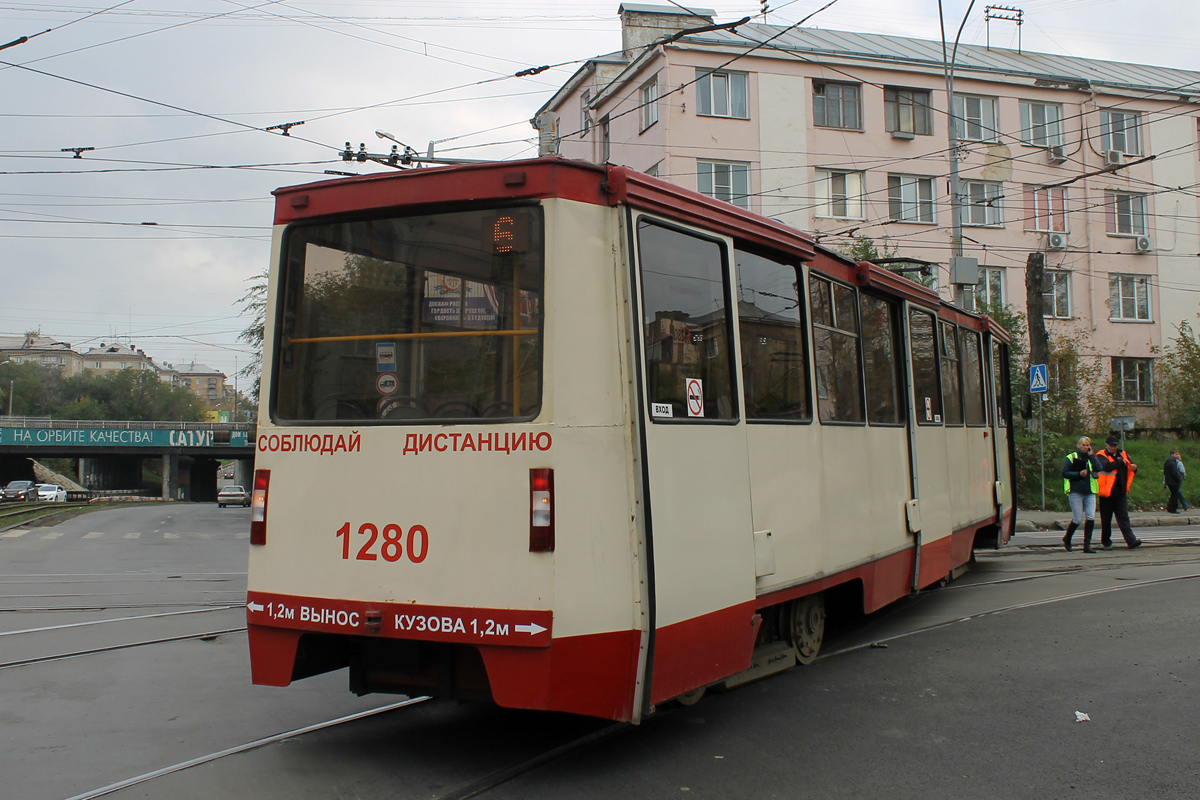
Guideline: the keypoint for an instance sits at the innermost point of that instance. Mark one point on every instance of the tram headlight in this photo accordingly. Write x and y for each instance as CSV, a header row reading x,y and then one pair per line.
x,y
258,507
541,510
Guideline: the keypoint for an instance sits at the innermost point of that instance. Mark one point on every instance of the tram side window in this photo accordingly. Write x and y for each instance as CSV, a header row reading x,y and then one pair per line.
x,y
685,318
999,385
923,343
881,360
951,383
974,404
774,352
835,350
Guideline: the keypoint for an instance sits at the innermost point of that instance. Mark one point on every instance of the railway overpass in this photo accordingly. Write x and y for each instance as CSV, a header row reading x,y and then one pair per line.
x,y
183,456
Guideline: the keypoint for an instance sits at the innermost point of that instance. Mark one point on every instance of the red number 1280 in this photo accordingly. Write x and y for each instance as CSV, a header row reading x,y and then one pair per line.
x,y
393,548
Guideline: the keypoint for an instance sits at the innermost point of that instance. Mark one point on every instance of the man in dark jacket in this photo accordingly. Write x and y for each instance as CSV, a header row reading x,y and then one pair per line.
x,y
1081,483
1173,473
1116,476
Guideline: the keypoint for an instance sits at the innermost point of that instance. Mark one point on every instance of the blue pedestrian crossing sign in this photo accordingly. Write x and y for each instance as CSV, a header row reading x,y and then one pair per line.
x,y
1037,379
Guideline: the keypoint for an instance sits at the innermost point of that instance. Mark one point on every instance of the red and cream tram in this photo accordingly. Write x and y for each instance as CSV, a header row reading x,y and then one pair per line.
x,y
572,438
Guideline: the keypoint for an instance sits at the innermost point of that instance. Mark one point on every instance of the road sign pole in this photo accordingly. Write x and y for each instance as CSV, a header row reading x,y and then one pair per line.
x,y
1042,443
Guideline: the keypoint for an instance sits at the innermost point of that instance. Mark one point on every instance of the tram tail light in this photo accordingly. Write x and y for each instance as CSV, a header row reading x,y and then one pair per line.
x,y
258,507
541,510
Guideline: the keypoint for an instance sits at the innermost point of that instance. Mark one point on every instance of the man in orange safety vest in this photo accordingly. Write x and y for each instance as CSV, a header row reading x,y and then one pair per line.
x,y
1115,478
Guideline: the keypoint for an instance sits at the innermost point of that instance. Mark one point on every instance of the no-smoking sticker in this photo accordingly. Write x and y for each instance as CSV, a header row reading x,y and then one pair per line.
x,y
694,388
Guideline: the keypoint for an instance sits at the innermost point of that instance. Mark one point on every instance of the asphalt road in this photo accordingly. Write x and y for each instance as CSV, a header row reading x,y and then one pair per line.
x,y
974,695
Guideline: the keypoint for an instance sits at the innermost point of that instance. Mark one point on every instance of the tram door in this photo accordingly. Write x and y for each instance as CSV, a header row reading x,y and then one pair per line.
x,y
928,441
1000,417
697,478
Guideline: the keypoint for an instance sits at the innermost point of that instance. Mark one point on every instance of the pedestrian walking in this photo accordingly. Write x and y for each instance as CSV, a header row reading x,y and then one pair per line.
x,y
1116,476
1173,474
1081,482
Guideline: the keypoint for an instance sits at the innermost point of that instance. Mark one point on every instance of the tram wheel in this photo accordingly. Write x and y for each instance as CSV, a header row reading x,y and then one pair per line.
x,y
690,698
806,625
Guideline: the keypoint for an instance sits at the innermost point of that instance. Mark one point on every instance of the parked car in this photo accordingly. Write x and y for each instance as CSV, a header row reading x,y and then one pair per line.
x,y
49,493
20,490
233,495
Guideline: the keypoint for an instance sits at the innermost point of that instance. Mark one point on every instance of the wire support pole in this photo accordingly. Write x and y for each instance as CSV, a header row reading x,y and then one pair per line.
x,y
948,61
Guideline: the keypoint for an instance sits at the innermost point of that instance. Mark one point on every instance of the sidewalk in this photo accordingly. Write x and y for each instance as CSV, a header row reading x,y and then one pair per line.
x,y
1029,521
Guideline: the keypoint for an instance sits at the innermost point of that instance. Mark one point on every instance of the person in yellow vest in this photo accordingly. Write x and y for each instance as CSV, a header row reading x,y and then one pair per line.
x,y
1116,476
1081,483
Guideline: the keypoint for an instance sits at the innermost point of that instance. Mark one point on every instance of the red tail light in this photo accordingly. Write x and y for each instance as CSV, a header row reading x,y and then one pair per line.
x,y
541,510
258,507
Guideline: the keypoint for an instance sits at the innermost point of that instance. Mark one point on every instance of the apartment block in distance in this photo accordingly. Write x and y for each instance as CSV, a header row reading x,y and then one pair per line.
x,y
844,134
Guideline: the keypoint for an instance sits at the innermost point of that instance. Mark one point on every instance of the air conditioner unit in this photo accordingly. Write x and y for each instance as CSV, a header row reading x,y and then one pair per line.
x,y
1057,154
1113,158
1056,241
1143,244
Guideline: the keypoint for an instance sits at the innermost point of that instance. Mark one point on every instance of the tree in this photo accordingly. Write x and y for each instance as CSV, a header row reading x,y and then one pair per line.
x,y
1177,383
254,304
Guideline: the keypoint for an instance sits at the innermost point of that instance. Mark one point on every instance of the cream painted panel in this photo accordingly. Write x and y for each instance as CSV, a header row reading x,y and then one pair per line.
x,y
831,496
700,507
933,482
971,476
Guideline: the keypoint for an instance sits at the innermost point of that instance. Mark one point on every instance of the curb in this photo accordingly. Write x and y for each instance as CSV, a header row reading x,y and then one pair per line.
x,y
1027,526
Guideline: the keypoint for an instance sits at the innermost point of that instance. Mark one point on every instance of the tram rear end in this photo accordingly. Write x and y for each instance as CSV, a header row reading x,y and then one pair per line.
x,y
438,405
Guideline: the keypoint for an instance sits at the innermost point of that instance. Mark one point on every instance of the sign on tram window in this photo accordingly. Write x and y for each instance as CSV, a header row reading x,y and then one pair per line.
x,y
685,322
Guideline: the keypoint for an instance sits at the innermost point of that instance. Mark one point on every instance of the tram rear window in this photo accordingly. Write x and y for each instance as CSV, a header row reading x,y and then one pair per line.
x,y
411,319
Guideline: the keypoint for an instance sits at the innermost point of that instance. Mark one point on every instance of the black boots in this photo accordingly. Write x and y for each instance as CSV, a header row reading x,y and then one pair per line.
x,y
1087,535
1070,532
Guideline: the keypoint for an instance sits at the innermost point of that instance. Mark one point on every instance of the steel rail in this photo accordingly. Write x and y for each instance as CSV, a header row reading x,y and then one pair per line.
x,y
120,619
24,662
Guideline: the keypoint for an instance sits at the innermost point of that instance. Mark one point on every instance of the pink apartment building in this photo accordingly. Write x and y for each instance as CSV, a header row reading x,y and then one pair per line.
x,y
1094,163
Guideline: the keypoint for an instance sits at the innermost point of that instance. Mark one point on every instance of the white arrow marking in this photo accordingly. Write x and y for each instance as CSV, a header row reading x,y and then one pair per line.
x,y
254,606
531,628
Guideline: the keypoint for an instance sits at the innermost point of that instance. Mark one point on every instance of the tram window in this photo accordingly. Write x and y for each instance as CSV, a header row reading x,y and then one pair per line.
x,y
774,351
951,386
974,406
998,385
835,349
923,343
881,360
412,319
689,370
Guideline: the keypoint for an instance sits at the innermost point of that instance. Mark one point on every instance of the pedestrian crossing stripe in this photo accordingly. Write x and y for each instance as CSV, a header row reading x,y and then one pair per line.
x,y
1037,378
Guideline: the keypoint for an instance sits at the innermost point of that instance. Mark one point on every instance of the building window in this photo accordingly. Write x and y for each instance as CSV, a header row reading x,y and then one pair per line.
x,y
836,105
653,171
585,117
725,181
910,198
1132,380
907,111
1041,124
839,194
1119,131
721,94
649,102
989,292
1125,213
982,202
1056,294
975,118
605,142
1129,298
96,364
1046,208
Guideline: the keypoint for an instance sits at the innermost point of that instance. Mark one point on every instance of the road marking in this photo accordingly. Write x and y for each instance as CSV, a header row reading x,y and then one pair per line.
x,y
13,534
53,535
170,535
93,535
133,535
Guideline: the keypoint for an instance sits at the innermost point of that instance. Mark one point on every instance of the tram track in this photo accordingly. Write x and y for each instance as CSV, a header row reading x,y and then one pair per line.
x,y
497,778
25,662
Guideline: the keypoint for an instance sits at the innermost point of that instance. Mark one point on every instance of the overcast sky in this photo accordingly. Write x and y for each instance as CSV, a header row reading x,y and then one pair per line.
x,y
173,94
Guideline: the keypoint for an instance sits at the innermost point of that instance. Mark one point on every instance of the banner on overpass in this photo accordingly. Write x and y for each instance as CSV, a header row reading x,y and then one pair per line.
x,y
101,437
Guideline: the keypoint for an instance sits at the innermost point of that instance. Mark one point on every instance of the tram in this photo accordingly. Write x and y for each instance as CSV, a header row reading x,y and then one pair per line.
x,y
568,437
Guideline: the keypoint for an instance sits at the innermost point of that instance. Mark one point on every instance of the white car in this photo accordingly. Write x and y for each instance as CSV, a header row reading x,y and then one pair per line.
x,y
49,493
